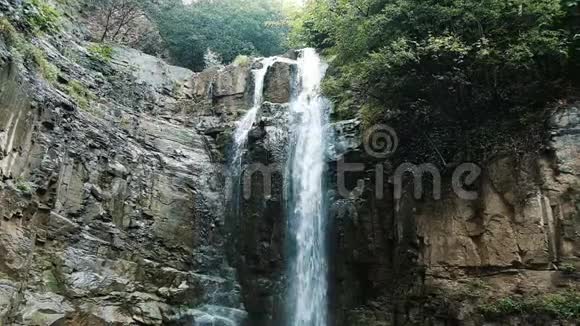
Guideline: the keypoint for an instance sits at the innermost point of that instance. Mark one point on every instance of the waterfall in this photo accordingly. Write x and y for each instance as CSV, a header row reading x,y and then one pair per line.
x,y
233,182
305,181
307,213
240,139
245,125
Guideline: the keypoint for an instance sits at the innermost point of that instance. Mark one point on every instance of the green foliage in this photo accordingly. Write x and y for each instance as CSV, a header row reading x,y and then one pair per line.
x,y
565,305
228,28
572,24
22,49
8,32
41,17
504,306
81,95
24,186
432,63
101,51
242,61
568,268
46,69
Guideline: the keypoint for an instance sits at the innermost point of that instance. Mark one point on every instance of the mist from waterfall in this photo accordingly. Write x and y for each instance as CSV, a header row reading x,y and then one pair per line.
x,y
307,301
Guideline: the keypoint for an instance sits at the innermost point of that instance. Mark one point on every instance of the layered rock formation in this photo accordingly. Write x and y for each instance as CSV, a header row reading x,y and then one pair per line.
x,y
508,257
111,200
112,189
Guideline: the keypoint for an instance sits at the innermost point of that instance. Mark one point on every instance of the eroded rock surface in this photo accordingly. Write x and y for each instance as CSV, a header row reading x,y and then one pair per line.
x,y
425,261
111,195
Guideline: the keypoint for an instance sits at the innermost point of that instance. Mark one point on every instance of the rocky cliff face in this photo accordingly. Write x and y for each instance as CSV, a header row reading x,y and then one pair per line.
x,y
112,200
508,257
111,195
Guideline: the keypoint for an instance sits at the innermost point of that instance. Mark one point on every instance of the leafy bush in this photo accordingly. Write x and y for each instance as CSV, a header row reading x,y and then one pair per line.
x,y
568,268
565,305
469,70
101,51
504,306
572,24
448,55
81,95
24,186
41,17
8,32
242,61
46,69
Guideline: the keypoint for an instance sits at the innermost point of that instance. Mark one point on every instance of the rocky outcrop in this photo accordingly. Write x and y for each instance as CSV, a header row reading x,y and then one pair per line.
x,y
227,90
419,261
424,261
112,191
111,196
279,83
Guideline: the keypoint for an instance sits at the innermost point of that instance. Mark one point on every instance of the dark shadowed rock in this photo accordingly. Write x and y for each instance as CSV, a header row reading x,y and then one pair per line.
x,y
278,83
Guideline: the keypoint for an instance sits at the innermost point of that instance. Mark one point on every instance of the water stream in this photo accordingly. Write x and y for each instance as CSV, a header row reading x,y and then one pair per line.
x,y
307,213
240,139
305,186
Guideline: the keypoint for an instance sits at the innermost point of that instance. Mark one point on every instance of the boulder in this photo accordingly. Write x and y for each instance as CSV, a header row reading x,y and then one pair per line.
x,y
279,81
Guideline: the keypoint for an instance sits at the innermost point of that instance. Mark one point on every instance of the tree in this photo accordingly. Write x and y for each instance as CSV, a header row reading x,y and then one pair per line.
x,y
463,69
125,22
228,27
416,53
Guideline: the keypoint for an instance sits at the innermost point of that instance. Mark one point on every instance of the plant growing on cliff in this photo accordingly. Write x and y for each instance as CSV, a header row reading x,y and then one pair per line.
x,y
568,268
48,71
564,305
24,186
101,51
81,95
8,32
242,61
21,49
41,17
460,71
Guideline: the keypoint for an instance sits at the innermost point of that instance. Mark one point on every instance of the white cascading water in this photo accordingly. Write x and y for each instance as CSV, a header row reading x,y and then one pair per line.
x,y
308,279
241,137
245,125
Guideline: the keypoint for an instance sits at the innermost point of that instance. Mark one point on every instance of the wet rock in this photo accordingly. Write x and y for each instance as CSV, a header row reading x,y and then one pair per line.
x,y
347,135
565,137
